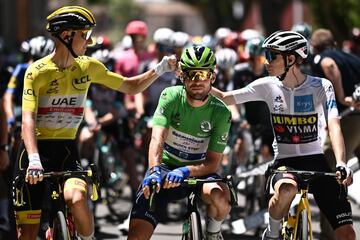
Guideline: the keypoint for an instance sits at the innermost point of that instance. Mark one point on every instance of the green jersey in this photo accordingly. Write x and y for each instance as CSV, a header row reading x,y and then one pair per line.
x,y
192,130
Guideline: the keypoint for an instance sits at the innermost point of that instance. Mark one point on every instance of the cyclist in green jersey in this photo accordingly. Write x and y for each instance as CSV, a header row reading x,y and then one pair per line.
x,y
55,89
190,132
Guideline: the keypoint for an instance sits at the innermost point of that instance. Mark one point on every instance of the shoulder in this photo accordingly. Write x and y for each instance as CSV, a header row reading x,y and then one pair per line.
x,y
220,106
172,93
40,67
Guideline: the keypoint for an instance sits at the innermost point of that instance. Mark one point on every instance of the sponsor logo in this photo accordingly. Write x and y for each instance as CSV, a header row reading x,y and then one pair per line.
x,y
81,83
278,108
53,87
292,129
29,76
29,92
304,103
40,66
224,137
279,99
64,101
205,126
331,104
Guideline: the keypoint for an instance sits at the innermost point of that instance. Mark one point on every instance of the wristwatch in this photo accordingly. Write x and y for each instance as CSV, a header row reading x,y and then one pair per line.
x,y
4,147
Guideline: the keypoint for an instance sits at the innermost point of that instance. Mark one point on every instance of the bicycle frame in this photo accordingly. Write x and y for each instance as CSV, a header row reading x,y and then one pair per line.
x,y
292,222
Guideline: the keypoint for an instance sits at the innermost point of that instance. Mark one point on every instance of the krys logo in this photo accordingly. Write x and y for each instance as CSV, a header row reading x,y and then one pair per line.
x,y
81,83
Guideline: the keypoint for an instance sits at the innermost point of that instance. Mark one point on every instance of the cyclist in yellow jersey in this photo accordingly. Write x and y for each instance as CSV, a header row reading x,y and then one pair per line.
x,y
55,89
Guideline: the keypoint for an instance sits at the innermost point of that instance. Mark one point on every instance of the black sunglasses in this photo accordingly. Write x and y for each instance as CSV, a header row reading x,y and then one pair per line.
x,y
270,55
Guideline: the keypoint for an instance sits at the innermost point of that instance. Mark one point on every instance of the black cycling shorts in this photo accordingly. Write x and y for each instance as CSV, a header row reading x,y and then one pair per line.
x,y
140,208
326,190
55,155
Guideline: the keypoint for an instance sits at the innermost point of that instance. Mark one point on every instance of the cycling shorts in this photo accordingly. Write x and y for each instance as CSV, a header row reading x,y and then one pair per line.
x,y
326,190
140,208
55,155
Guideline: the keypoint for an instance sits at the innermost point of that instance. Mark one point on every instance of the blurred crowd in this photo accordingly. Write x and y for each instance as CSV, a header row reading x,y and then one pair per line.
x,y
240,60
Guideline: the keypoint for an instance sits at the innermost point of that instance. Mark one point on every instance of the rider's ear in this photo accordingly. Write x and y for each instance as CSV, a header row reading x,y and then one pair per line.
x,y
213,78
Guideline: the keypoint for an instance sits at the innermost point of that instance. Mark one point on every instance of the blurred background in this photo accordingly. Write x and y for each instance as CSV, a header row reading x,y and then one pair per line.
x,y
22,19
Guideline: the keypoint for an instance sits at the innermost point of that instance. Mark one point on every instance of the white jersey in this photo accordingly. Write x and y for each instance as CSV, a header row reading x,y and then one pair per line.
x,y
297,115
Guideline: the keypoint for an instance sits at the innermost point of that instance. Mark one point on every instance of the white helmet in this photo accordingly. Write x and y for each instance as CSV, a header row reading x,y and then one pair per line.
x,y
226,58
179,39
287,42
163,36
222,33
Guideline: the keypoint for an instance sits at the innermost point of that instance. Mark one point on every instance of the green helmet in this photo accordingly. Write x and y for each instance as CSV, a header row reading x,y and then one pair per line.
x,y
199,57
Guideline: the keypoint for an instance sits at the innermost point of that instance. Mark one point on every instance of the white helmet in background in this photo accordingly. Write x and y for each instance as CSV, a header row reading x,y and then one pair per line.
x,y
179,39
222,33
226,58
163,36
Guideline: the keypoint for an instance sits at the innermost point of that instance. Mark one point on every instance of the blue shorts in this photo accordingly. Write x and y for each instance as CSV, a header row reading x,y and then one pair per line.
x,y
140,208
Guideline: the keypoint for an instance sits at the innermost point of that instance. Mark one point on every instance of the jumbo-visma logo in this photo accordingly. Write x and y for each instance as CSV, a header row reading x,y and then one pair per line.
x,y
81,83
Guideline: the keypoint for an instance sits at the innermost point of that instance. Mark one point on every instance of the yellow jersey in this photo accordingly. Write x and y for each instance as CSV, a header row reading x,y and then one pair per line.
x,y
58,96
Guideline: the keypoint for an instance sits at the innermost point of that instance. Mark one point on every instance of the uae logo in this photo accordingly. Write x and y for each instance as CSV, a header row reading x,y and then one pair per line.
x,y
205,126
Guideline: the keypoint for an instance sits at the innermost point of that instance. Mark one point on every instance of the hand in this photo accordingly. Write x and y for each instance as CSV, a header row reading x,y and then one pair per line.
x,y
344,173
176,176
35,171
155,175
167,64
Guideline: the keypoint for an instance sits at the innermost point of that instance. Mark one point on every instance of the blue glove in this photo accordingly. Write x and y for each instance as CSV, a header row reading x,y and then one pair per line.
x,y
178,175
156,175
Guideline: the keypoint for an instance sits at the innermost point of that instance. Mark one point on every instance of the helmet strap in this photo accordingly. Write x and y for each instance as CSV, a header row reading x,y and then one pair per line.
x,y
287,67
68,44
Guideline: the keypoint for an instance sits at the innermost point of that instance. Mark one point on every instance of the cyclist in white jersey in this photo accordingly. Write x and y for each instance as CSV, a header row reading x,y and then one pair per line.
x,y
297,105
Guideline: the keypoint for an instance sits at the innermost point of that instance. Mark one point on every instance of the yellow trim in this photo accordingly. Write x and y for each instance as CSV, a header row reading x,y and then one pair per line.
x,y
28,217
74,9
75,183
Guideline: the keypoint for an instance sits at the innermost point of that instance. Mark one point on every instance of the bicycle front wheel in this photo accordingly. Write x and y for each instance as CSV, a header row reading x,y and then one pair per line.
x,y
195,228
60,230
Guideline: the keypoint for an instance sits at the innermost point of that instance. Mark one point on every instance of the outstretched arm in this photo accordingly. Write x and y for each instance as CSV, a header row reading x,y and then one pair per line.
x,y
226,97
139,83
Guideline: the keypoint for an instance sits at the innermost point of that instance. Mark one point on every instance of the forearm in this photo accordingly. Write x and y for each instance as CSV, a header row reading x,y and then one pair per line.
x,y
8,106
28,132
226,97
139,83
210,165
156,147
337,140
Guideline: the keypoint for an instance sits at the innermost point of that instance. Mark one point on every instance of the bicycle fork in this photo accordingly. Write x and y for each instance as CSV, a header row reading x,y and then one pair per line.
x,y
291,225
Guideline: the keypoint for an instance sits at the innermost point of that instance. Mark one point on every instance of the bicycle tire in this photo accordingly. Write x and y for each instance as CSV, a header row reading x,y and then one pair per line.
x,y
60,230
195,228
302,231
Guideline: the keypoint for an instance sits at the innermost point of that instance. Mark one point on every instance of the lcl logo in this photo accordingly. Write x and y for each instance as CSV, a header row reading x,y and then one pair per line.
x,y
80,83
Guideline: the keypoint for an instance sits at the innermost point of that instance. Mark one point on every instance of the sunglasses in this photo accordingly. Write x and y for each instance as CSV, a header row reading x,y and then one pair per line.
x,y
270,56
86,34
198,75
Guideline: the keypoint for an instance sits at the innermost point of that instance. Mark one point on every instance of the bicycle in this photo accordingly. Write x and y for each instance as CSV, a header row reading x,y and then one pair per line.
x,y
298,225
61,222
192,229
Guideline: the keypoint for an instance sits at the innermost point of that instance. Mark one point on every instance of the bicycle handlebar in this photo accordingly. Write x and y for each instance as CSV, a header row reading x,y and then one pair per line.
x,y
92,174
307,175
193,182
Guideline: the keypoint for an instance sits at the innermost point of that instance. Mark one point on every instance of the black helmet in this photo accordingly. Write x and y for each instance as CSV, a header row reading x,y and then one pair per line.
x,y
38,47
70,17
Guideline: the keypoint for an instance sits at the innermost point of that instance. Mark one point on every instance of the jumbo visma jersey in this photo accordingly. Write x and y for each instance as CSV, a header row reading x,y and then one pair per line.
x,y
298,115
192,130
58,96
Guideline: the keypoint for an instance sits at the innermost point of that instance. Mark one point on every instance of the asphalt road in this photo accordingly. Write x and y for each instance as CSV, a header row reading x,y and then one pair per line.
x,y
172,230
